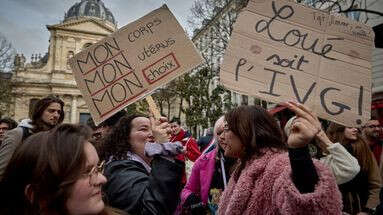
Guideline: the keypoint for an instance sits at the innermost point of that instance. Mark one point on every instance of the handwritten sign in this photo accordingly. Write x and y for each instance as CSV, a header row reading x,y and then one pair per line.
x,y
283,51
132,62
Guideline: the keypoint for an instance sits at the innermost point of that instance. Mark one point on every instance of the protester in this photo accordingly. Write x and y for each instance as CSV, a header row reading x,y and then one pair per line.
x,y
204,141
47,113
371,134
143,177
179,134
361,194
268,180
103,129
97,134
54,172
5,125
343,165
189,143
208,179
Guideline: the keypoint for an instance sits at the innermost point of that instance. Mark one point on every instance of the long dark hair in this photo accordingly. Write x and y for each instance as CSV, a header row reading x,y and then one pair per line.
x,y
360,148
117,143
49,163
39,109
256,129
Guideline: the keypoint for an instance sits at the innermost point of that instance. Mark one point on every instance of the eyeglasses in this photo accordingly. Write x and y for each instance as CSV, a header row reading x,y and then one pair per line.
x,y
93,174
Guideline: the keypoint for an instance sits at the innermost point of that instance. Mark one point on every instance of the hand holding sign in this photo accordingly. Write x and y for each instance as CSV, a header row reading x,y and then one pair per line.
x,y
304,128
160,129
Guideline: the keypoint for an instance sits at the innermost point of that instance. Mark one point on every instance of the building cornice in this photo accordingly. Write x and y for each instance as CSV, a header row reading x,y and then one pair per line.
x,y
64,26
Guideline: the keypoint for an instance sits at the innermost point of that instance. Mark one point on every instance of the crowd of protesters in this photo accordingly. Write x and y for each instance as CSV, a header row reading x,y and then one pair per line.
x,y
248,163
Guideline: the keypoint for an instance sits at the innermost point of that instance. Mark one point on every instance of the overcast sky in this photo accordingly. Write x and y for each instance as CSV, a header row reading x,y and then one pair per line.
x,y
23,22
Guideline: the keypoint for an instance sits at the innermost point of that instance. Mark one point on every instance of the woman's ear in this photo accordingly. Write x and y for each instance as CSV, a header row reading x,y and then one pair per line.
x,y
28,192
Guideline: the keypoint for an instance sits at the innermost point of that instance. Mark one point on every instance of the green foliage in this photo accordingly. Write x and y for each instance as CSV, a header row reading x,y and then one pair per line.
x,y
165,97
204,105
140,107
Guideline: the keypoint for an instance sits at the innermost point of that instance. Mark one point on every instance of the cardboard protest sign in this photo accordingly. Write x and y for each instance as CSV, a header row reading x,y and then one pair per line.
x,y
283,51
132,62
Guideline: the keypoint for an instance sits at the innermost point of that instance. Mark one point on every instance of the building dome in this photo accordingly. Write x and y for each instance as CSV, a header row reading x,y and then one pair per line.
x,y
90,8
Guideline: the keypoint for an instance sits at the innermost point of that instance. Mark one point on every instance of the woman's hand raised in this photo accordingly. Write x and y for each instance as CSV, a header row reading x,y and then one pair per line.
x,y
304,128
161,129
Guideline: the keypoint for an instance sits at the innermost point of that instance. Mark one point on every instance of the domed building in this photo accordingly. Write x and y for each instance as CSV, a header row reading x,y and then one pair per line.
x,y
85,23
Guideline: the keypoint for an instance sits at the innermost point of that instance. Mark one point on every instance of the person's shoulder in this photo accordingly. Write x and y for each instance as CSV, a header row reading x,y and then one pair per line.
x,y
211,154
18,129
205,158
114,167
16,132
127,163
124,169
275,160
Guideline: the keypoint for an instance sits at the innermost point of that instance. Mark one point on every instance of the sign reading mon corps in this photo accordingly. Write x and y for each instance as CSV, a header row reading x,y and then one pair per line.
x,y
132,62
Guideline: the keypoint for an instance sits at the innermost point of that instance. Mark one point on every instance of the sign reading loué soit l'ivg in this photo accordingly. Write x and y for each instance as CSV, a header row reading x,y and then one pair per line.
x,y
283,51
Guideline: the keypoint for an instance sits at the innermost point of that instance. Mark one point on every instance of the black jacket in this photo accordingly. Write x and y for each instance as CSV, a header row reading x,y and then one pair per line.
x,y
132,189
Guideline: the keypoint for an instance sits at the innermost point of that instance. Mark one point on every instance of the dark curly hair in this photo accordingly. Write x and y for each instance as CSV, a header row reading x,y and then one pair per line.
x,y
117,144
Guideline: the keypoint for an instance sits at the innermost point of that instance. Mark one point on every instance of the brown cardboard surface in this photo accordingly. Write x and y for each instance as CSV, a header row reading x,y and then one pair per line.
x,y
132,62
153,107
282,51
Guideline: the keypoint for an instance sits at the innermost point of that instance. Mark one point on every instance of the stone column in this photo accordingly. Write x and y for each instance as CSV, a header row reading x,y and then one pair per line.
x,y
73,112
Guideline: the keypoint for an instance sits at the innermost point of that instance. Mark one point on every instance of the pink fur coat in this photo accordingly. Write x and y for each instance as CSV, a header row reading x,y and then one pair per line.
x,y
265,187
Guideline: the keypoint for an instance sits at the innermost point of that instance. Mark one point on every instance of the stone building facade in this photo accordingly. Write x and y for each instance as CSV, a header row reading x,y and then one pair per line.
x,y
85,23
212,46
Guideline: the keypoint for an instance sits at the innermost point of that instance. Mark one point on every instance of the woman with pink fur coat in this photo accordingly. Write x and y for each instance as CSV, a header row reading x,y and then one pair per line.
x,y
272,177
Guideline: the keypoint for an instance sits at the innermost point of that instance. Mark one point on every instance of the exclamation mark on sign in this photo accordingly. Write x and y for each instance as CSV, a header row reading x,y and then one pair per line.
x,y
360,103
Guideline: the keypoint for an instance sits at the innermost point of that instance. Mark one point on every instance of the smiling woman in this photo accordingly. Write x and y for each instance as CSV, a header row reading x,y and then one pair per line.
x,y
143,177
268,180
361,194
55,173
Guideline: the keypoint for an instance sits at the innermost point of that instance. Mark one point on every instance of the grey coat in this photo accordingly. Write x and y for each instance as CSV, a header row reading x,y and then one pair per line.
x,y
11,141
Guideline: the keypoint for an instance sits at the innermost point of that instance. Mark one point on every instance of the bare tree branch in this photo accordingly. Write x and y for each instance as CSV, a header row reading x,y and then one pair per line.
x,y
7,53
363,10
